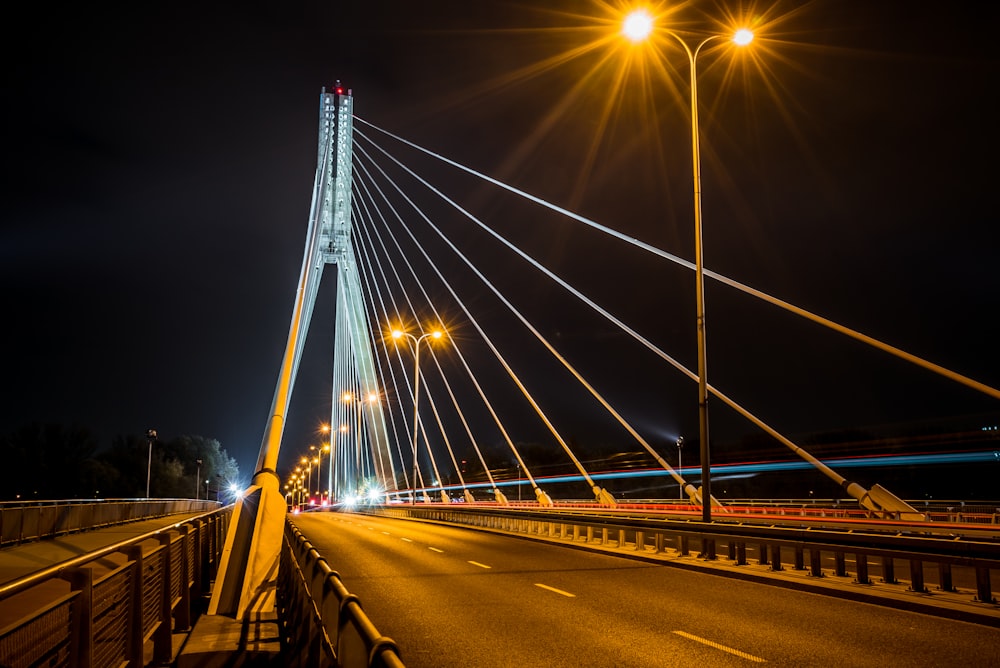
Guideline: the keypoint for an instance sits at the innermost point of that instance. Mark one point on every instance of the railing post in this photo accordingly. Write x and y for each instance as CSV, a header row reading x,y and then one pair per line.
x,y
134,621
984,593
183,614
762,559
621,538
815,563
731,549
640,541
944,577
917,576
82,624
776,557
889,571
707,548
604,536
162,641
741,554
800,557
862,563
659,543
839,564
682,542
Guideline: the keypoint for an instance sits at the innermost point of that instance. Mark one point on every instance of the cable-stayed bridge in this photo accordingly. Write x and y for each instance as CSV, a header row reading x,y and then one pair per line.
x,y
452,373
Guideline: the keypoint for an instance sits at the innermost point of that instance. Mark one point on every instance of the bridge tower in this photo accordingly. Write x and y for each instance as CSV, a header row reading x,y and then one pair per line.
x,y
249,564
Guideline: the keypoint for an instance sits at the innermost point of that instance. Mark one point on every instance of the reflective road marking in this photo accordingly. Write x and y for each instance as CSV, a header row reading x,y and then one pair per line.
x,y
558,591
734,652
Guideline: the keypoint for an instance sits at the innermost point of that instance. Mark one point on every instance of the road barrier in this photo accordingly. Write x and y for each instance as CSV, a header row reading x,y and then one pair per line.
x,y
20,523
107,607
329,626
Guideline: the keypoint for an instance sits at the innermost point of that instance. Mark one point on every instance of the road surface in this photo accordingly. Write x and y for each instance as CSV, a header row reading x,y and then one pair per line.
x,y
456,597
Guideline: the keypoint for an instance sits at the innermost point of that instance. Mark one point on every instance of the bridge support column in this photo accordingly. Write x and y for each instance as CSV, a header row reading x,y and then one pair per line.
x,y
249,564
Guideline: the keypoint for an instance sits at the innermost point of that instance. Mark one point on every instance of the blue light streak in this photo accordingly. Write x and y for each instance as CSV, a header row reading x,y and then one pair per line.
x,y
748,469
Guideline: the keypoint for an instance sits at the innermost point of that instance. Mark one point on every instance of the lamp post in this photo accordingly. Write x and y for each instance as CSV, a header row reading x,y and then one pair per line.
x,y
680,466
150,437
197,484
320,449
637,27
398,334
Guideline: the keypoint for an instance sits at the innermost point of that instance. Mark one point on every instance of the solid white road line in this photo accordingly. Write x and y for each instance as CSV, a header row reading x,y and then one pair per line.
x,y
476,563
734,652
558,591
435,549
407,540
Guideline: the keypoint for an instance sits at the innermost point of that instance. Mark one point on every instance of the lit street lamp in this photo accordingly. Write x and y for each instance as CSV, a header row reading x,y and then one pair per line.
x,y
320,449
398,334
637,27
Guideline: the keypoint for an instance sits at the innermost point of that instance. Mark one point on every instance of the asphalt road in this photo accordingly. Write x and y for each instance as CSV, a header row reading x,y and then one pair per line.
x,y
455,597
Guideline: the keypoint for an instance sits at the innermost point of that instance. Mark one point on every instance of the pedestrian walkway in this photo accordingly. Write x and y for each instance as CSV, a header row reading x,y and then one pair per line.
x,y
18,561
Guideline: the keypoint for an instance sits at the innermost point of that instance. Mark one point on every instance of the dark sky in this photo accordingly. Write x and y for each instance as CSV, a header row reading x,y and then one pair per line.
x,y
158,165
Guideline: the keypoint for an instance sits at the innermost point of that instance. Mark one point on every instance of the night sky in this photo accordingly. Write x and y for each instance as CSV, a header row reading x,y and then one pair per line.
x,y
158,167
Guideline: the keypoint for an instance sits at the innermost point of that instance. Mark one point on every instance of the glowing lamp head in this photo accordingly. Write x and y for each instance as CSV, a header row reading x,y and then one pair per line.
x,y
742,37
397,334
437,334
637,25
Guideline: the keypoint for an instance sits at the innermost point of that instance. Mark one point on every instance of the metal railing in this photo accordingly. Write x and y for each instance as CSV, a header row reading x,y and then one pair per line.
x,y
106,608
46,519
329,625
772,545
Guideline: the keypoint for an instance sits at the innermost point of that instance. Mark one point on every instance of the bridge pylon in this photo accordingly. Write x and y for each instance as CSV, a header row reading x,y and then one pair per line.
x,y
248,568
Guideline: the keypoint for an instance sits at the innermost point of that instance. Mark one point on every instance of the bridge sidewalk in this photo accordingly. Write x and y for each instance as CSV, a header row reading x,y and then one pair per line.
x,y
18,561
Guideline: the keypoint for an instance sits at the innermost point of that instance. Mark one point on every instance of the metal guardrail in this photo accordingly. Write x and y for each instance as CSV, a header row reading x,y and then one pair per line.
x,y
46,519
768,542
329,625
110,615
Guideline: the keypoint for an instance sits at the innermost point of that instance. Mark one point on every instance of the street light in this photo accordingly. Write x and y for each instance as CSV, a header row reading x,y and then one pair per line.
x,y
637,27
398,334
307,463
320,449
197,484
150,437
680,466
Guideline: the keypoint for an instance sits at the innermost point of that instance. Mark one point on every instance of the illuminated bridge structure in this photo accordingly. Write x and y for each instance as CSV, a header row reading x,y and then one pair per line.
x,y
419,274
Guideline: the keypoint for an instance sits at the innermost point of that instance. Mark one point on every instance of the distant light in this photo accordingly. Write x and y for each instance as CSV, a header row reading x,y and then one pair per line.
x,y
235,489
397,333
437,334
350,501
638,25
743,37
